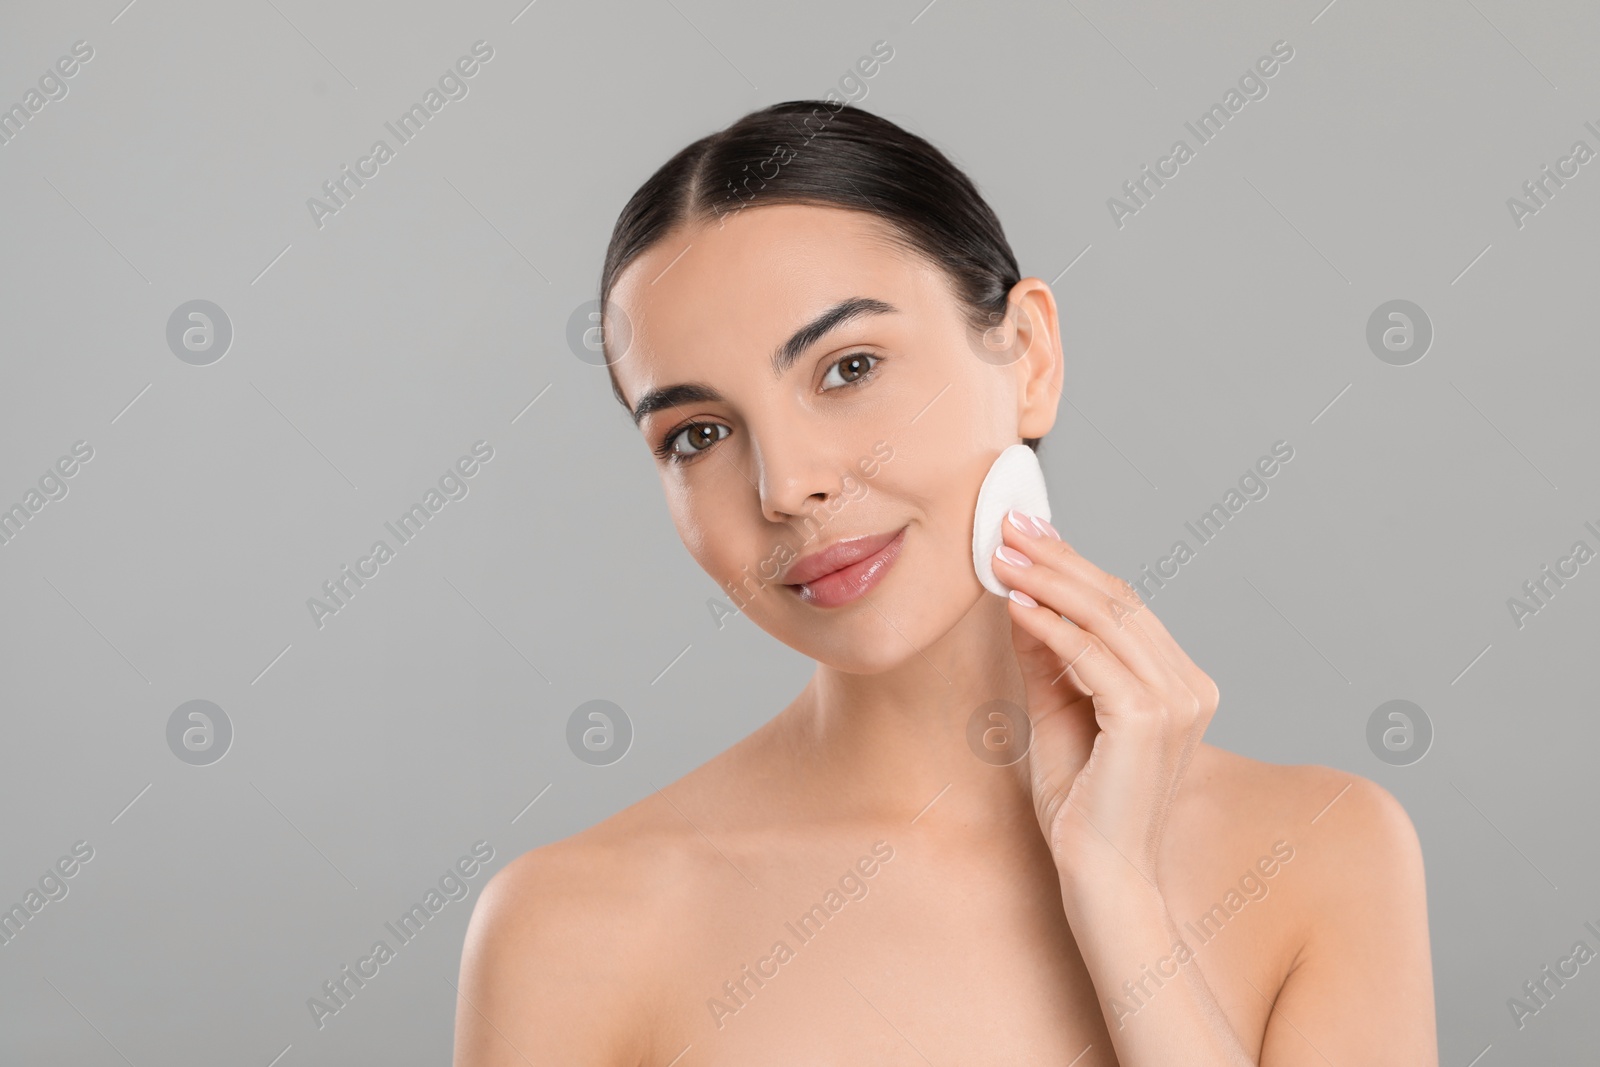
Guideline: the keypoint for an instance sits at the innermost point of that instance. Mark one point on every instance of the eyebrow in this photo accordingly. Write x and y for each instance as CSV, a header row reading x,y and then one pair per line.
x,y
783,357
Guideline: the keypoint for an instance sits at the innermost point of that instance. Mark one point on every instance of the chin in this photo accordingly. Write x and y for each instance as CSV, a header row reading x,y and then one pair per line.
x,y
874,638
867,662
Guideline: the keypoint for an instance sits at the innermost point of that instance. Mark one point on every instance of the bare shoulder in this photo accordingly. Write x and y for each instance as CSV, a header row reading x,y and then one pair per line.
x,y
1352,903
1346,829
1304,792
564,940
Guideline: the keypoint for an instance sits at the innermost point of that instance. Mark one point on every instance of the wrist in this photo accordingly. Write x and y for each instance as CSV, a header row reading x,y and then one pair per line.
x,y
1109,890
1116,919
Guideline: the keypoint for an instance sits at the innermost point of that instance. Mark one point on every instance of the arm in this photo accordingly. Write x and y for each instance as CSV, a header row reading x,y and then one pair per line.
x,y
1117,709
1123,929
1361,990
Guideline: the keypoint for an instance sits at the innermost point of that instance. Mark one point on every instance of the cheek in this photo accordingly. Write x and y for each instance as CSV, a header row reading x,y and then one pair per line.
x,y
694,523
935,479
717,532
939,488
976,414
691,524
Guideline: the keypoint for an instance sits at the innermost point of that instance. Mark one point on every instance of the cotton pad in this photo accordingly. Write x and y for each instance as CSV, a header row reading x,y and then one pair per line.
x,y
1014,481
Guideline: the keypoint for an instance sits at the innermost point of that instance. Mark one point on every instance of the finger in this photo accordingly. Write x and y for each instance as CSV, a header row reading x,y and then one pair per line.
x,y
1110,584
1099,671
1139,614
1042,664
1131,610
1056,582
1197,682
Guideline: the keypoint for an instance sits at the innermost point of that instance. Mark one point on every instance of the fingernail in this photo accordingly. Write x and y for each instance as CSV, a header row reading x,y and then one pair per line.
x,y
1024,523
1023,598
1051,530
1013,557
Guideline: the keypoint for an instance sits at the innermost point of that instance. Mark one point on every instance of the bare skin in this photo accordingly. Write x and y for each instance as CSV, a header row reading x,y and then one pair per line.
x,y
1124,893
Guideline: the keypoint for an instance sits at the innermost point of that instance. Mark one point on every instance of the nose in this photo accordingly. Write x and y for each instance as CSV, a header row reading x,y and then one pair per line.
x,y
796,470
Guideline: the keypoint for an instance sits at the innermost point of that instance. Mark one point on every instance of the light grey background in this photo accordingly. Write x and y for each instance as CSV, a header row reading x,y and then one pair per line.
x,y
369,354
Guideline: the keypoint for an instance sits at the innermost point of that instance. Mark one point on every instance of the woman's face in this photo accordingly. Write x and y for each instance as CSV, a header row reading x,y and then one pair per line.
x,y
881,425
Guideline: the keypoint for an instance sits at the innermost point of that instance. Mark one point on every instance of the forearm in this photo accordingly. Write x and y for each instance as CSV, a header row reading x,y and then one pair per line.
x,y
1157,1005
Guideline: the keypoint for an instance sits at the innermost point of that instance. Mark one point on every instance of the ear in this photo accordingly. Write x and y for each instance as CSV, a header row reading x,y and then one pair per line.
x,y
1039,368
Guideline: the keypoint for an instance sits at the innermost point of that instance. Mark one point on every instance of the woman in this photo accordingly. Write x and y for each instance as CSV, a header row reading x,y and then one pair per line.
x,y
828,344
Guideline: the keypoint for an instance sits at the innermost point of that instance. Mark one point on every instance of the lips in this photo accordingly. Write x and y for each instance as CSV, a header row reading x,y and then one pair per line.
x,y
845,570
836,556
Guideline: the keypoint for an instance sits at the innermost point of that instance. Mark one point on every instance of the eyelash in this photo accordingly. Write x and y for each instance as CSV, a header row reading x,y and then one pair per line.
x,y
665,450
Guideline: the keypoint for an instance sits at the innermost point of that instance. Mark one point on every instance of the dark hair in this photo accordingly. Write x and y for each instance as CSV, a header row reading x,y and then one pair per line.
x,y
832,156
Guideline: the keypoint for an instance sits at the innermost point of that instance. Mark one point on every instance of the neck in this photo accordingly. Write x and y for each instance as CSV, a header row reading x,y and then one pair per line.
x,y
892,747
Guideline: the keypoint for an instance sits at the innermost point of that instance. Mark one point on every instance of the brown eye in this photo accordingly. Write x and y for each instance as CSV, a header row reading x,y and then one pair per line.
x,y
698,436
853,368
